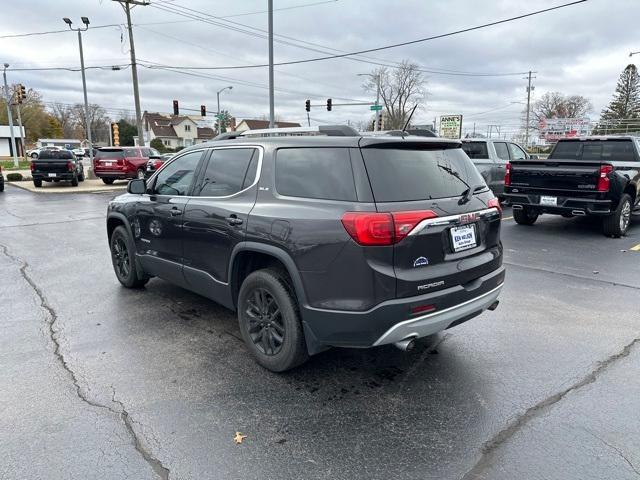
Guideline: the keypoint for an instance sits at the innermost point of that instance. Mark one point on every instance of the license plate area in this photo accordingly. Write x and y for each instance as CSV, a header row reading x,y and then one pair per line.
x,y
52,175
548,201
463,237
108,164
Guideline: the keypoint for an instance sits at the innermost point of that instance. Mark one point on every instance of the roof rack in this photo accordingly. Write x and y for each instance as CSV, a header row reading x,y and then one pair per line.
x,y
326,130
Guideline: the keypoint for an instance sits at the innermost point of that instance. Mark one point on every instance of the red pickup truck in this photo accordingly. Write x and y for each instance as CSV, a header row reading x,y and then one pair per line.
x,y
113,163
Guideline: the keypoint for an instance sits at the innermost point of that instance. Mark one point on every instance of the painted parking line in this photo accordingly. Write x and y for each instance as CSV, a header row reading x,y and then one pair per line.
x,y
636,248
507,218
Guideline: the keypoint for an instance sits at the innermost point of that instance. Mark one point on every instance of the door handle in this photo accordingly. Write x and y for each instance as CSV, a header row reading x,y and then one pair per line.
x,y
175,211
233,220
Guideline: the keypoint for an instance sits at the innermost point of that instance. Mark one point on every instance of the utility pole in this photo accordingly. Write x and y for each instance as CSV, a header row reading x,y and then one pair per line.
x,y
21,130
8,99
271,99
378,112
87,120
218,112
126,5
526,127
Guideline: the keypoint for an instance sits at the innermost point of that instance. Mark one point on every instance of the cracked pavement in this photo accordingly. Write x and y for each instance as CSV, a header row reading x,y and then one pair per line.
x,y
104,382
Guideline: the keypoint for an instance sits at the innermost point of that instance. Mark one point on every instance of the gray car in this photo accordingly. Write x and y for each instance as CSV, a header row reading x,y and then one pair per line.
x,y
491,157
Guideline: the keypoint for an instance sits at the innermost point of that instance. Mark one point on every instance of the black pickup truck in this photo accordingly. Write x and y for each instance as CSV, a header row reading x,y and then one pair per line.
x,y
582,176
56,165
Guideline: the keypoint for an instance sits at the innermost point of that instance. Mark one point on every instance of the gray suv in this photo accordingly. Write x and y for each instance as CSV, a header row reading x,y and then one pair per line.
x,y
491,157
317,241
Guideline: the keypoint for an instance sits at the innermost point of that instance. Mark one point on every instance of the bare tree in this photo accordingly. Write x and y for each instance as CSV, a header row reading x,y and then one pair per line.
x,y
65,116
98,121
558,105
401,89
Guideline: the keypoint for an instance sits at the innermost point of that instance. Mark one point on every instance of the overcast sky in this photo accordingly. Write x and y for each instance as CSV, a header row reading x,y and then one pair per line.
x,y
575,50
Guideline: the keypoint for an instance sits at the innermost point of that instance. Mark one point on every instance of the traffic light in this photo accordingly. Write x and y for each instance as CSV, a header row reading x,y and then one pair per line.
x,y
380,123
175,108
329,101
115,128
21,93
203,111
307,105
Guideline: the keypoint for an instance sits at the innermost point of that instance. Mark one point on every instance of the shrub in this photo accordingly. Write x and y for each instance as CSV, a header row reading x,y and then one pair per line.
x,y
14,177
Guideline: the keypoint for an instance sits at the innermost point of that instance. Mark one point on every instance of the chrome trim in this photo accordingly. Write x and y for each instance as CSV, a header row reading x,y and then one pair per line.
x,y
449,220
207,274
181,265
384,338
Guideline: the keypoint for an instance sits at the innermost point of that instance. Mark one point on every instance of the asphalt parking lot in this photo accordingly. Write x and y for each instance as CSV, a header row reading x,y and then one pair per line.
x,y
103,382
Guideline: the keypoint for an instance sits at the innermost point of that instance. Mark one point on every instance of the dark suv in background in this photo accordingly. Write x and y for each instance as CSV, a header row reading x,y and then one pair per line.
x,y
318,241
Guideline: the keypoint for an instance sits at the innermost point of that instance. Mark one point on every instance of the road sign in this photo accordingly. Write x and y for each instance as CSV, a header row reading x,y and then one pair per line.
x,y
450,126
375,107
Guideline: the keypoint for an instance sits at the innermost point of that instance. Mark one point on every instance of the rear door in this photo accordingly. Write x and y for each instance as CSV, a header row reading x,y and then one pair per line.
x,y
443,242
501,160
215,219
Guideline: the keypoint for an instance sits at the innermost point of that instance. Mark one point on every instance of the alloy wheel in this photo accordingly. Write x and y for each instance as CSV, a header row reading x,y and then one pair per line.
x,y
625,216
266,325
121,258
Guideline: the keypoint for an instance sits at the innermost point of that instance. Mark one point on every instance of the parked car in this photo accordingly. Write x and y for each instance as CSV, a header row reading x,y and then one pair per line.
x,y
317,241
35,152
79,152
56,165
597,176
1,181
114,163
156,161
491,157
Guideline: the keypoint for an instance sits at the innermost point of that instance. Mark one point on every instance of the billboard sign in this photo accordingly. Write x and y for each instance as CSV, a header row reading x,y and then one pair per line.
x,y
553,129
450,126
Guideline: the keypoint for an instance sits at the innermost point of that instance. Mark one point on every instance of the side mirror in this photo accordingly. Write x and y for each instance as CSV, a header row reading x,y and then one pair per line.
x,y
137,186
534,157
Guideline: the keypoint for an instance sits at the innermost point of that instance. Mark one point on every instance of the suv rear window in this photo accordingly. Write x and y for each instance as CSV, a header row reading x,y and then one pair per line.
x,y
594,150
61,154
110,154
401,175
475,149
315,173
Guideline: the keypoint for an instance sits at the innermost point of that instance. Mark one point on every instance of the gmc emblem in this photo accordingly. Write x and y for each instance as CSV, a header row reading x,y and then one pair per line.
x,y
468,217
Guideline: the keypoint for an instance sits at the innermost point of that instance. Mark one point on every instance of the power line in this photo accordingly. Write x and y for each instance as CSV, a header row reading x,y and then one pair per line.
x,y
411,42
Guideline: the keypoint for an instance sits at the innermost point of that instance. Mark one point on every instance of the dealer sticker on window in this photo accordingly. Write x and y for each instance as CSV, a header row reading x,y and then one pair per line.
x,y
463,237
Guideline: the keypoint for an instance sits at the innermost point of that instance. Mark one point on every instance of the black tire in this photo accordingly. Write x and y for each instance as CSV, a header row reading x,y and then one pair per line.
x,y
108,181
617,224
525,216
74,180
268,310
34,155
37,183
123,259
141,174
81,177
1,186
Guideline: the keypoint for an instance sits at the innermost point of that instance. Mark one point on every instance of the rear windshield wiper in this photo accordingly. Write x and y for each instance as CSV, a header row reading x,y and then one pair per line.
x,y
467,192
466,195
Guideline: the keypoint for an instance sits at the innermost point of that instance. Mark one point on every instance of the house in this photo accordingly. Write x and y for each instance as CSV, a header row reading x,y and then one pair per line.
x,y
175,130
5,140
262,124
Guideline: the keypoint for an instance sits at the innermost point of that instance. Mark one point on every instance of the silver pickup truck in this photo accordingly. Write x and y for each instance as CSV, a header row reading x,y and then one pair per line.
x,y
490,156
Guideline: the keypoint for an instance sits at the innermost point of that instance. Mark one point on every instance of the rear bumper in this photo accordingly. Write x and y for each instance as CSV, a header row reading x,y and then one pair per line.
x,y
59,176
566,205
392,321
114,174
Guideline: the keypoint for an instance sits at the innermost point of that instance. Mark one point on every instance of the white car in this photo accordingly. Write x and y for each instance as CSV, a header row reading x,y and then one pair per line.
x,y
35,152
78,152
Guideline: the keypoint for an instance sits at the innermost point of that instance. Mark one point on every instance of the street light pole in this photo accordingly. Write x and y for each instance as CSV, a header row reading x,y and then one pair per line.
x,y
218,111
87,122
631,54
271,97
8,100
526,127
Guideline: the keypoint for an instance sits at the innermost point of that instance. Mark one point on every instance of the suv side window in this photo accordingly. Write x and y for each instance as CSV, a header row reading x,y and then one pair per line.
x,y
501,150
324,173
516,152
176,177
229,170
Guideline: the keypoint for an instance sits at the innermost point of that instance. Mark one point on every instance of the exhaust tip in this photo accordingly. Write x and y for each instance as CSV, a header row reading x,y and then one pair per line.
x,y
578,212
517,207
406,345
494,305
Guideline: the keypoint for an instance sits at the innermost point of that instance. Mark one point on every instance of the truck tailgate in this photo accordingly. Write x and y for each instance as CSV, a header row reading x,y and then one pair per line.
x,y
559,175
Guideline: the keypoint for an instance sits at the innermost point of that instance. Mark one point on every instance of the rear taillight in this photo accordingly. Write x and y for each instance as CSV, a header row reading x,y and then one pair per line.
x,y
32,166
70,166
157,165
494,203
422,309
374,228
121,161
507,175
603,179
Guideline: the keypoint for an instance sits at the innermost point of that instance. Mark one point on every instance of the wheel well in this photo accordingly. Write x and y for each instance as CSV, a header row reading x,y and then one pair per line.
x,y
112,223
247,262
631,191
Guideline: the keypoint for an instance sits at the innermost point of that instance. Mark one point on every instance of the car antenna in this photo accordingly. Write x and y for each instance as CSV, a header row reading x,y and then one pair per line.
x,y
404,129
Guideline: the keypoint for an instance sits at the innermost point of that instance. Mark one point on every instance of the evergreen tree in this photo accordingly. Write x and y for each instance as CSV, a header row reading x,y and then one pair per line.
x,y
624,106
